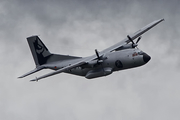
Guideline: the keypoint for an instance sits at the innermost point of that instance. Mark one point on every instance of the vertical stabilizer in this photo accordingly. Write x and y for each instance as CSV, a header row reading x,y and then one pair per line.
x,y
39,50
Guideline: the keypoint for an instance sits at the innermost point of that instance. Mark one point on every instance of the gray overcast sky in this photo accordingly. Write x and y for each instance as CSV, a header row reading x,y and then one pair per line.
x,y
77,27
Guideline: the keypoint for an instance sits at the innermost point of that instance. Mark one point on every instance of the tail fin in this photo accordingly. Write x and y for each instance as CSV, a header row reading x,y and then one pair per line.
x,y
42,55
39,50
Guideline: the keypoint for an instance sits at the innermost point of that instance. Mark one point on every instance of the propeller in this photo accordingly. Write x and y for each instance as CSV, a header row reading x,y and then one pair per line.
x,y
99,59
97,54
138,39
134,44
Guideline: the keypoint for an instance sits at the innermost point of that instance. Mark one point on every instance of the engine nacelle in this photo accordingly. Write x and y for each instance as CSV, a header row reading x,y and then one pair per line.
x,y
98,73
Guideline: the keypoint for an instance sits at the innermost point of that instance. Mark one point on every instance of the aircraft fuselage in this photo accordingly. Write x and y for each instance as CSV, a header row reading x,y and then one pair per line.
x,y
112,61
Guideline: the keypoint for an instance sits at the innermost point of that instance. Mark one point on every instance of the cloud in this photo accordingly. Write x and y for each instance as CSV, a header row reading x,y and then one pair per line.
x,y
77,28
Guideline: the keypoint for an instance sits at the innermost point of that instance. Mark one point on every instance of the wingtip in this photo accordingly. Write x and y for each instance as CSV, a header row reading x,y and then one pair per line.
x,y
33,80
20,77
36,79
160,20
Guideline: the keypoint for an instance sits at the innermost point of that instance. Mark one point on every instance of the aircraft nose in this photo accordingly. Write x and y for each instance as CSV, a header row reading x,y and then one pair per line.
x,y
146,57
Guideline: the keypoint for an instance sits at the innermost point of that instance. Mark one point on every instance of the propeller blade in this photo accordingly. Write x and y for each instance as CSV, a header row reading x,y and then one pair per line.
x,y
130,39
133,44
97,54
138,39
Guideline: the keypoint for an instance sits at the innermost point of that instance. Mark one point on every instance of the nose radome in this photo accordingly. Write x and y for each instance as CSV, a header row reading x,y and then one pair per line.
x,y
146,57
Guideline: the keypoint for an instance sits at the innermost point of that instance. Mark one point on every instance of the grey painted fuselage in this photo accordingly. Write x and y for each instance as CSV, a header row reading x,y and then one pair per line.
x,y
112,61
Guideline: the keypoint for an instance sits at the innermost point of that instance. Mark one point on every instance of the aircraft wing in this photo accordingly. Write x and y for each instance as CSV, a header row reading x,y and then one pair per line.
x,y
133,37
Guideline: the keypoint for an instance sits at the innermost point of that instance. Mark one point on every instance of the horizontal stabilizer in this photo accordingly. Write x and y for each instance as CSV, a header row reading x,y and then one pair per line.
x,y
60,70
31,72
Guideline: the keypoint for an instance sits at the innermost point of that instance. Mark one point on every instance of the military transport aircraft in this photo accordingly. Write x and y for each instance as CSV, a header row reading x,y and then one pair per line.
x,y
123,55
